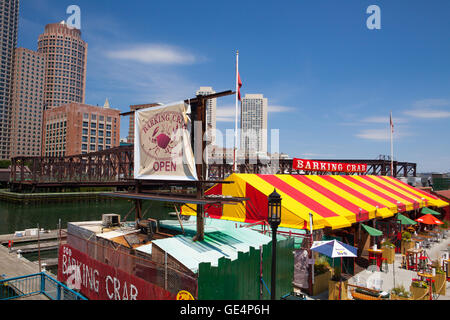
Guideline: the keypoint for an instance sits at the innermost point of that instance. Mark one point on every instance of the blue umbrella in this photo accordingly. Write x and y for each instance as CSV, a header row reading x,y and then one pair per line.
x,y
335,249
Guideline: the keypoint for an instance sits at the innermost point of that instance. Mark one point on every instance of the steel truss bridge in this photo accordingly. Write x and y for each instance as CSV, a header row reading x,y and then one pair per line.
x,y
114,168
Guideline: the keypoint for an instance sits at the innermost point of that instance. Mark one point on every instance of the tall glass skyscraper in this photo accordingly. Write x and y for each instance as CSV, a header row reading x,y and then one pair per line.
x,y
211,106
254,123
9,17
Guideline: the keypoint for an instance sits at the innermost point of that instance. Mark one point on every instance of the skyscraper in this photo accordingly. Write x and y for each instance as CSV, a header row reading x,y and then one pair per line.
x,y
27,103
211,106
9,16
66,55
254,123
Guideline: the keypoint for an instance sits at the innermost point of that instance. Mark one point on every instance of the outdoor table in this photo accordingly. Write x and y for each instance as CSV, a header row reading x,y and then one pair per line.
x,y
378,254
446,267
429,279
415,255
426,236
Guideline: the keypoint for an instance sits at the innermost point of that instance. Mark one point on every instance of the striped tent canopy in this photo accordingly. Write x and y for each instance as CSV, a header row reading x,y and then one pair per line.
x,y
334,201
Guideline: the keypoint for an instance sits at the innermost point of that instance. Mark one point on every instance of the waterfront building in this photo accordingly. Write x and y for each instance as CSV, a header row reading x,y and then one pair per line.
x,y
130,138
254,124
27,103
211,106
76,128
8,42
66,56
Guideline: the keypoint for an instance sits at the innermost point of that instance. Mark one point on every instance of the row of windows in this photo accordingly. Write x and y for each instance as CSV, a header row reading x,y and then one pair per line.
x,y
94,133
93,139
93,147
56,125
100,125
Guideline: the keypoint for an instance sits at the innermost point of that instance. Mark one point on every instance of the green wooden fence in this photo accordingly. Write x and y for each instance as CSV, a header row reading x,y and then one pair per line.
x,y
240,279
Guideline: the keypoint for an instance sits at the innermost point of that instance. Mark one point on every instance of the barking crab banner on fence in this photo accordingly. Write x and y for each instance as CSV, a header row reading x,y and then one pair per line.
x,y
162,149
98,281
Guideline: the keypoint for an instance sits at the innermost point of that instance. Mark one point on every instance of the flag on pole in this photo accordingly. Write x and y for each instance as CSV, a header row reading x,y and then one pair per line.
x,y
392,124
239,87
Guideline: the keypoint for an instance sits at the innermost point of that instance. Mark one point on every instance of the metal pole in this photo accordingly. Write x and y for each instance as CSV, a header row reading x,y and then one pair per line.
x,y
236,115
39,249
392,149
274,263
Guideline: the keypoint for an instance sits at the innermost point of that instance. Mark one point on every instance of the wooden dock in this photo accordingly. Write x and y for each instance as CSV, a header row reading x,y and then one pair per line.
x,y
33,248
51,235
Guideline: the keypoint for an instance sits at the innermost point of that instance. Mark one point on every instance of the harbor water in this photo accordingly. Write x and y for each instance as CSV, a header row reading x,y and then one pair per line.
x,y
16,217
20,216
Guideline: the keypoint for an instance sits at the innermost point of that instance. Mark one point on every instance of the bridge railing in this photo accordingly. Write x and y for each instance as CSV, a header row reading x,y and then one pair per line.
x,y
110,165
34,284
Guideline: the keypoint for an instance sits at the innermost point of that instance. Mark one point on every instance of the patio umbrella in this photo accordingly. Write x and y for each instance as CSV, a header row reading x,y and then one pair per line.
x,y
372,231
405,220
429,219
426,210
335,249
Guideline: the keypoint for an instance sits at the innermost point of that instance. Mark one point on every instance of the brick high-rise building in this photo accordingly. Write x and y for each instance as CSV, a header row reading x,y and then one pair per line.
x,y
130,138
66,55
9,17
75,128
27,103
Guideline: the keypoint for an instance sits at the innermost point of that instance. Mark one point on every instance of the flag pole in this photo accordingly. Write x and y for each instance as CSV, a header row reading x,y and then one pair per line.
x,y
237,107
392,147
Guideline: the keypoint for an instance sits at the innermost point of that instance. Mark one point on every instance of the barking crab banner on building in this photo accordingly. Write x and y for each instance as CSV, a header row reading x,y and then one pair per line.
x,y
162,149
98,281
313,165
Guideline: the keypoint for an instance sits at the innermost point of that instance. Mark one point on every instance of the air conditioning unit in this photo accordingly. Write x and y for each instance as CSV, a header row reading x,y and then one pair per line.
x,y
110,220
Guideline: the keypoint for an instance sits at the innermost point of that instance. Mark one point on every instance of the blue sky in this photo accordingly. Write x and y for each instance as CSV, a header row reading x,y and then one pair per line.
x,y
331,82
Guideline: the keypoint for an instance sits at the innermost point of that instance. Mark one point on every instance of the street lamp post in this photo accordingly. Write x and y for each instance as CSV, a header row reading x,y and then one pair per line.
x,y
274,219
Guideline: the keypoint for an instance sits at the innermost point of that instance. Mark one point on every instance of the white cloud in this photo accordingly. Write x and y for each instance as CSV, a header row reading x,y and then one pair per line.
x,y
383,120
318,155
383,134
278,109
427,103
374,134
154,54
227,113
428,113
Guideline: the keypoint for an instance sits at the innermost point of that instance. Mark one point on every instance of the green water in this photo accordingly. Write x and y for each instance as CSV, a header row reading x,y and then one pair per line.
x,y
17,217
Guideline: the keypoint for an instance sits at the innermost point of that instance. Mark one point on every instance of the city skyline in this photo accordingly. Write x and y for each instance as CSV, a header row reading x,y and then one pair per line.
x,y
332,84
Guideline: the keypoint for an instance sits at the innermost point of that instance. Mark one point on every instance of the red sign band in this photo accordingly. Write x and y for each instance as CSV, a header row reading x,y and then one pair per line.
x,y
314,165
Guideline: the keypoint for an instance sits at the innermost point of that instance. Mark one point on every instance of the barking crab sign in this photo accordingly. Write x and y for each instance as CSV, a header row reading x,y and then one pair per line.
x,y
162,146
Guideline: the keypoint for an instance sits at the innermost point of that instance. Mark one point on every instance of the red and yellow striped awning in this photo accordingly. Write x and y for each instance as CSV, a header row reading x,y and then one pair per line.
x,y
335,201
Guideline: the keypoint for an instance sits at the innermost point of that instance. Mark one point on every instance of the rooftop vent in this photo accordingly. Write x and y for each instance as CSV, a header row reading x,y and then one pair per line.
x,y
110,220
